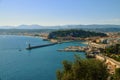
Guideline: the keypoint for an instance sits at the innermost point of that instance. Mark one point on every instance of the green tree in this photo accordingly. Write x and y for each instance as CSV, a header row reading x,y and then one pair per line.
x,y
87,69
74,33
116,76
113,51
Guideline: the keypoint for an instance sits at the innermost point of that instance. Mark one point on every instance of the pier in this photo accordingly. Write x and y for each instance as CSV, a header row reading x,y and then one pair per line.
x,y
39,46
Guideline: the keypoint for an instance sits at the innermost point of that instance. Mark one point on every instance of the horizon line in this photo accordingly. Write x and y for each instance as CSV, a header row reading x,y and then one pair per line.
x,y
53,25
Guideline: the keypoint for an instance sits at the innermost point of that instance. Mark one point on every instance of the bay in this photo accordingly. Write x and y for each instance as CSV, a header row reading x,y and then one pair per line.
x,y
17,63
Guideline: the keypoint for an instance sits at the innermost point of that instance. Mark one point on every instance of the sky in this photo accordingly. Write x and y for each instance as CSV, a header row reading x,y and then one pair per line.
x,y
59,12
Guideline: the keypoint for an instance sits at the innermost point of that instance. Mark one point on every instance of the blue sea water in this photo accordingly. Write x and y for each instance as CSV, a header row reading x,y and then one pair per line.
x,y
37,64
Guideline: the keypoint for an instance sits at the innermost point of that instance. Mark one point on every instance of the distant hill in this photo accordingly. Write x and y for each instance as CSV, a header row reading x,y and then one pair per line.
x,y
104,29
85,26
23,27
59,27
74,33
22,31
101,28
30,27
6,27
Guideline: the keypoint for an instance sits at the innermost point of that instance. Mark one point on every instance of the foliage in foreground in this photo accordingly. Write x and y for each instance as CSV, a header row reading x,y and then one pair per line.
x,y
116,76
113,52
89,69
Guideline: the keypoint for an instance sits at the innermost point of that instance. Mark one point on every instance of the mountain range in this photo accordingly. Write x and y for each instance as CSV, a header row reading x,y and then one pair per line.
x,y
59,27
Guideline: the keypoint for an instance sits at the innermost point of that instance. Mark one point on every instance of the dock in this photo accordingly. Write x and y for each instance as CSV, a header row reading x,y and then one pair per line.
x,y
73,49
69,50
40,46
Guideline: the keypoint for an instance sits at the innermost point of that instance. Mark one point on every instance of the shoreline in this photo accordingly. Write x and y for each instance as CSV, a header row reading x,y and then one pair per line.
x,y
50,40
85,42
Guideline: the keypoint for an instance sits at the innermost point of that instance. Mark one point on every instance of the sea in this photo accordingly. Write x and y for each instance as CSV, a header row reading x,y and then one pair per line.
x,y
17,63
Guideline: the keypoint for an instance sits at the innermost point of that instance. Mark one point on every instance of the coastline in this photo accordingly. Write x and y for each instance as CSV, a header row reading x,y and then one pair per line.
x,y
85,42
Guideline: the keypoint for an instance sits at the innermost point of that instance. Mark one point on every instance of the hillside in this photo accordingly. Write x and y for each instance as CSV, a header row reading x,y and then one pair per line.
x,y
74,33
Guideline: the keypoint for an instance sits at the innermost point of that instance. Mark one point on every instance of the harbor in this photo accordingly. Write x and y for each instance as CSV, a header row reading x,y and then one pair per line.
x,y
32,62
73,49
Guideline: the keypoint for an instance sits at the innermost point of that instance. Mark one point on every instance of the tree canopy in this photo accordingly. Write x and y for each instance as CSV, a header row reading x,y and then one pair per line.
x,y
113,52
114,49
74,33
88,69
116,76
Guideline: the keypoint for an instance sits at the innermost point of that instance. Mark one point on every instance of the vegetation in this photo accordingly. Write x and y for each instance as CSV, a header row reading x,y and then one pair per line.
x,y
116,76
74,33
113,52
89,69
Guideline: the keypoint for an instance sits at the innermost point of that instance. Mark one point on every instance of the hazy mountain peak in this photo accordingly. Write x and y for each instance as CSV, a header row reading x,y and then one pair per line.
x,y
36,26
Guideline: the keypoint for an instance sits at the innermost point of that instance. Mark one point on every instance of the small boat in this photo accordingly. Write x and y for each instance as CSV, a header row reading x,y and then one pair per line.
x,y
19,50
45,39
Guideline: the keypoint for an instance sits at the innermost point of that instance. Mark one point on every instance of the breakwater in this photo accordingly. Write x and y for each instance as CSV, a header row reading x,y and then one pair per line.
x,y
39,46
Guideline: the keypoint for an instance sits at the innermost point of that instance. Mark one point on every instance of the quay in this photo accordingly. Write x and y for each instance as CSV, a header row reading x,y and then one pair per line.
x,y
73,49
39,46
69,50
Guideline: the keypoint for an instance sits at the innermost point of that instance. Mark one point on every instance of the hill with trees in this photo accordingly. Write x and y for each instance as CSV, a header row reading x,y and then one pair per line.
x,y
74,33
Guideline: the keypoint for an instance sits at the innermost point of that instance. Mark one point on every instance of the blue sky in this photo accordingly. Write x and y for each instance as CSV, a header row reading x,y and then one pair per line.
x,y
59,12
